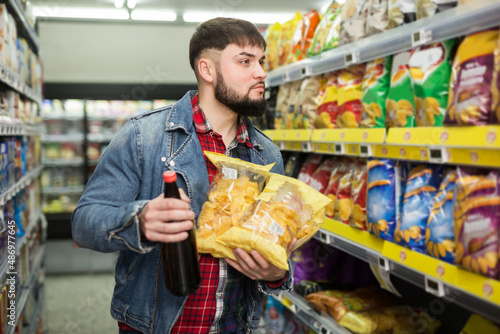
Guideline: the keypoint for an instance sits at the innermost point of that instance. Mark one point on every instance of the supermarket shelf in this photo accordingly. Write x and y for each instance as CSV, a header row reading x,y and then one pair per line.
x,y
21,184
33,324
453,284
100,138
32,223
73,138
478,146
16,82
16,129
323,324
474,16
74,162
62,117
76,190
30,33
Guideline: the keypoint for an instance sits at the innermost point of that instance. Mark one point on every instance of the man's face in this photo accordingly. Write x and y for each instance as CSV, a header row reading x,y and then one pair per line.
x,y
240,80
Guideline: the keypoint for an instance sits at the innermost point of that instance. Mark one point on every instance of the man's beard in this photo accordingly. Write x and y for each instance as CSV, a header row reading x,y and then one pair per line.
x,y
243,106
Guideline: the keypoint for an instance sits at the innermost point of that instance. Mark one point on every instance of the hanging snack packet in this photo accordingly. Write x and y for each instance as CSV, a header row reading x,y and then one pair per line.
x,y
343,203
309,91
287,31
384,195
321,176
327,111
309,166
332,38
495,84
477,221
303,36
421,187
352,27
401,12
273,34
426,8
429,64
293,105
359,193
400,103
324,26
282,105
338,170
439,236
234,188
377,19
375,87
469,101
286,208
349,96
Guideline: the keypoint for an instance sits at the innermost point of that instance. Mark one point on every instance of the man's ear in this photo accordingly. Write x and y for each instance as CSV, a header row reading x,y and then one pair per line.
x,y
206,69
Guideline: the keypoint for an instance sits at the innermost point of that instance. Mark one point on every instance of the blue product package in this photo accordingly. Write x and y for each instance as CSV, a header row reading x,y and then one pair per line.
x,y
383,197
274,316
422,183
440,235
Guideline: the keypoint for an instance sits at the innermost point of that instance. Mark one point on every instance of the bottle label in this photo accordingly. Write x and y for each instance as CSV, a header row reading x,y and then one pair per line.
x,y
230,173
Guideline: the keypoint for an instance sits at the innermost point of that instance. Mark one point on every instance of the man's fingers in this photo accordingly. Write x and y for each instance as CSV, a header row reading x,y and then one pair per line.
x,y
290,247
168,215
167,238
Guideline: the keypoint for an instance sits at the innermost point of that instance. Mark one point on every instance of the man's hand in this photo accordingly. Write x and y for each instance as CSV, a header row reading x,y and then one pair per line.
x,y
166,219
254,266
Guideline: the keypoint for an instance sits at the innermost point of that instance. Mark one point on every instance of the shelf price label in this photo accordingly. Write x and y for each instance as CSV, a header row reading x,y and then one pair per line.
x,y
365,150
339,148
434,286
324,330
383,264
420,37
351,58
306,71
437,155
306,147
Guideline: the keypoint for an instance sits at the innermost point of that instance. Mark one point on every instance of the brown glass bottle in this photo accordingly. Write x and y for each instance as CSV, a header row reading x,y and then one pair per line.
x,y
181,269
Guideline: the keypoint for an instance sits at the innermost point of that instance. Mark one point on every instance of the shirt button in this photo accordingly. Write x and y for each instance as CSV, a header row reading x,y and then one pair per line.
x,y
172,163
171,124
219,294
163,159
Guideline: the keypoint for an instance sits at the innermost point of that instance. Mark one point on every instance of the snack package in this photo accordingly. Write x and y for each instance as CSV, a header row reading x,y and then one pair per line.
x,y
358,194
234,188
321,176
324,26
293,166
343,203
378,20
285,44
440,235
274,316
375,88
282,106
470,96
426,8
401,12
400,103
479,324
429,64
273,34
294,103
312,163
332,38
476,210
352,27
349,96
303,36
421,187
338,170
384,195
309,91
327,111
314,261
495,85
286,208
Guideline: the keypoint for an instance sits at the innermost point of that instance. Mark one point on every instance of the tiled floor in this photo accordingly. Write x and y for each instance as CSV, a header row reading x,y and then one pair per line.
x,y
79,304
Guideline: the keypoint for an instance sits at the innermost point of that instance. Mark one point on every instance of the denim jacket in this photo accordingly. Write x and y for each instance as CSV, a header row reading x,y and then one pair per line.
x,y
128,175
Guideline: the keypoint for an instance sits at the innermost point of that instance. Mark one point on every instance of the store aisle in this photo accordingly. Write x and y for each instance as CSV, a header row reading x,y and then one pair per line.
x,y
79,304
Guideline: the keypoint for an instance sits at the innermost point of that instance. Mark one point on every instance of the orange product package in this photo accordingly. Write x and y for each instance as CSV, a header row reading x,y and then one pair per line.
x,y
338,170
285,44
321,176
309,166
350,92
359,194
343,204
303,36
327,111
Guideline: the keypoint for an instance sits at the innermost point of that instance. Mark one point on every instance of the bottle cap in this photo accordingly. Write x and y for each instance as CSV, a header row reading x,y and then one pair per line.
x,y
169,176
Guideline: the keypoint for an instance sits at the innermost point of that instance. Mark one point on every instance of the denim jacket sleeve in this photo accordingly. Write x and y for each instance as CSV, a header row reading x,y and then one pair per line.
x,y
105,218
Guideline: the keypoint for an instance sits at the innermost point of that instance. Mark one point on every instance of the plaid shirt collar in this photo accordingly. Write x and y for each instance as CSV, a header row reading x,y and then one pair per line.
x,y
201,123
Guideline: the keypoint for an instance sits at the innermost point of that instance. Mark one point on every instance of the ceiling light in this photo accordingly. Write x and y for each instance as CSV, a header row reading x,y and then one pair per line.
x,y
256,17
119,3
131,4
81,13
153,15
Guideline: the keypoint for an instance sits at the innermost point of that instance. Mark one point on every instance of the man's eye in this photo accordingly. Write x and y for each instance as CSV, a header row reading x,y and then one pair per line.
x,y
245,61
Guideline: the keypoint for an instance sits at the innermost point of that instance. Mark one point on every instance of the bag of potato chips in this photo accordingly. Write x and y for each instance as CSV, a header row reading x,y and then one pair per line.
x,y
358,194
426,8
378,20
495,84
273,34
286,39
439,236
294,102
309,166
234,188
353,23
285,209
332,38
375,87
309,91
470,96
338,170
327,111
401,12
324,26
476,211
349,96
429,64
343,203
282,106
400,103
303,36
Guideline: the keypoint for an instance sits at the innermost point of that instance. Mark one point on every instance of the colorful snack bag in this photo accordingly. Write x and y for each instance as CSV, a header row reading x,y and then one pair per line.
x,y
421,187
309,91
429,64
378,20
235,187
313,262
343,203
282,106
384,194
353,24
338,170
476,210
287,31
273,34
294,103
495,84
274,316
324,26
321,176
401,12
469,101
310,165
440,235
359,193
327,111
375,87
303,36
349,96
332,39
286,208
426,8
400,104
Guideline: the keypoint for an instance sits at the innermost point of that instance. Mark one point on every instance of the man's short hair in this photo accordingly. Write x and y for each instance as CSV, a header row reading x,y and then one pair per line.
x,y
220,32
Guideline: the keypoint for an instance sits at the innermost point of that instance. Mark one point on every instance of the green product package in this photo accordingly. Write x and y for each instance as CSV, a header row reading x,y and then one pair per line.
x,y
376,83
400,103
430,68
319,39
332,38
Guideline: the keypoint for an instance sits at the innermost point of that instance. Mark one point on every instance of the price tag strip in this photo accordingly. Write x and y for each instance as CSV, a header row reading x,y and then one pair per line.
x,y
421,37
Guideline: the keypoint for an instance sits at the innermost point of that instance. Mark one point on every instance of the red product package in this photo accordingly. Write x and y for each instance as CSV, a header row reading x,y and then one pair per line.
x,y
359,193
350,92
320,178
327,111
343,204
338,170
309,167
